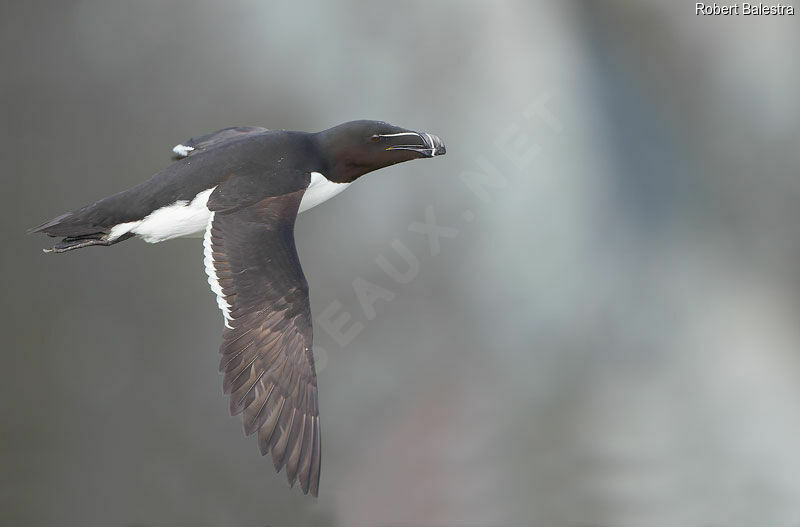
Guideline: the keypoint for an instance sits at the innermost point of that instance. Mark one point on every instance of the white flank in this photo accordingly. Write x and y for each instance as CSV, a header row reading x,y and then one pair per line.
x,y
182,218
319,190
120,229
182,150
213,281
189,218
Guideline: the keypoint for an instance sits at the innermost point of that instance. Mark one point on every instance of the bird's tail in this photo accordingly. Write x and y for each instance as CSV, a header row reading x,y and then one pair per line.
x,y
53,225
75,233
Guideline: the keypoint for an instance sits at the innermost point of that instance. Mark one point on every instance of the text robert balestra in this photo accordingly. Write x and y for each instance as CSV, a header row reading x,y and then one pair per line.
x,y
743,9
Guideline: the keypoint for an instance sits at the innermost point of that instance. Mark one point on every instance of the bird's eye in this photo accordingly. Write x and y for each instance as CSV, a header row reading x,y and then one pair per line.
x,y
375,138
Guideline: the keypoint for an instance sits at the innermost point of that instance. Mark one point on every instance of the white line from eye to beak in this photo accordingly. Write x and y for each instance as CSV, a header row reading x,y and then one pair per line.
x,y
398,134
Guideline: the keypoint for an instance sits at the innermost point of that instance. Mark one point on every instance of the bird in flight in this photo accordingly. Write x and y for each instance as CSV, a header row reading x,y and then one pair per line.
x,y
241,189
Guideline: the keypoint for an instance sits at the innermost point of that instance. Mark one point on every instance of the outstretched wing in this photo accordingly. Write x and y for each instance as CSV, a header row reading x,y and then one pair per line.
x,y
204,142
266,352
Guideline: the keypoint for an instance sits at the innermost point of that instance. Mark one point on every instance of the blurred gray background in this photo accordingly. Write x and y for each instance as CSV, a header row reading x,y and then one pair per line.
x,y
605,335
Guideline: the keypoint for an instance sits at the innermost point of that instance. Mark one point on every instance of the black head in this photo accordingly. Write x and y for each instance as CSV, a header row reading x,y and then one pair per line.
x,y
355,148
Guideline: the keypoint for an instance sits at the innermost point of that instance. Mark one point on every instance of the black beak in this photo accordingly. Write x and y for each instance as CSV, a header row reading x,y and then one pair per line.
x,y
431,145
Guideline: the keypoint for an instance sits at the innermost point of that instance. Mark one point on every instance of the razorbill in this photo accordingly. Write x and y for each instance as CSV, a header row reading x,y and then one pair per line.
x,y
242,188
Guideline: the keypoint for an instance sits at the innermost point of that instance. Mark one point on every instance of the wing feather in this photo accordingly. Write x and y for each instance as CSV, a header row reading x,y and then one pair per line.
x,y
267,362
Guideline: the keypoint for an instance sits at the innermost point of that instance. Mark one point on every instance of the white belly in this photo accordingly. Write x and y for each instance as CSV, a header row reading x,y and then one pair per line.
x,y
320,190
190,218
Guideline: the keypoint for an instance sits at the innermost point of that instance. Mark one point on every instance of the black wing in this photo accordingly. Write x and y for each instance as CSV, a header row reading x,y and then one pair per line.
x,y
267,360
204,142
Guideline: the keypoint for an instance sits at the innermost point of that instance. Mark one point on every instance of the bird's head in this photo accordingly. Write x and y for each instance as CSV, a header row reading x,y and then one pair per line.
x,y
352,149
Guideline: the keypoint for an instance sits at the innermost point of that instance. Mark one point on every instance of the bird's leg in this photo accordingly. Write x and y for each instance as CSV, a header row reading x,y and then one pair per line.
x,y
68,245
